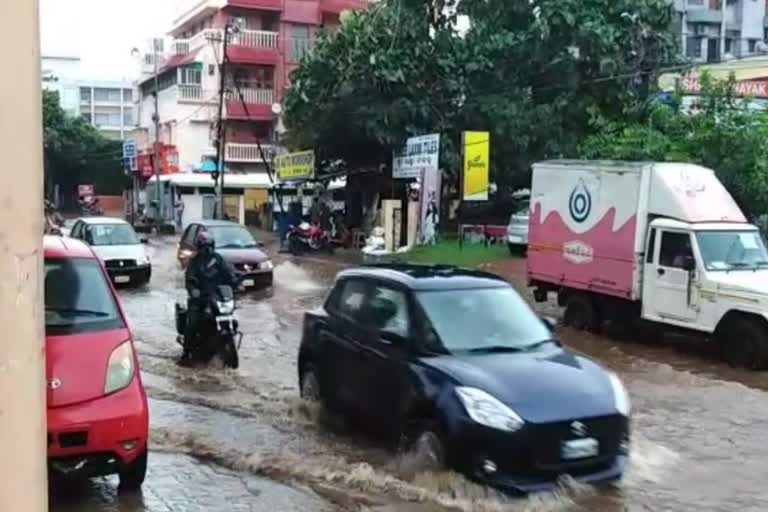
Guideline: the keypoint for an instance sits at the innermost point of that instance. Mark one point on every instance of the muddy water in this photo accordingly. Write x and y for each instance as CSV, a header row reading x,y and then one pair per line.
x,y
698,429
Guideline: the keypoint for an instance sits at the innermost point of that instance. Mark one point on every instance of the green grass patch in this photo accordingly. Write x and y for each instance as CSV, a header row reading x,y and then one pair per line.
x,y
448,252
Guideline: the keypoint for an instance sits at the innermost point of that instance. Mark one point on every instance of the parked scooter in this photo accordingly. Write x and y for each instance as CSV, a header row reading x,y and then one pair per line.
x,y
219,329
308,237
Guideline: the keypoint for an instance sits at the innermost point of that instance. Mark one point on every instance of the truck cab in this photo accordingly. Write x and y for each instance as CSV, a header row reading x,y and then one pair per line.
x,y
696,274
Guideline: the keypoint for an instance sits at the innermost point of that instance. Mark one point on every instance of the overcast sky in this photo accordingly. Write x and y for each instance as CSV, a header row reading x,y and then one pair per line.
x,y
102,32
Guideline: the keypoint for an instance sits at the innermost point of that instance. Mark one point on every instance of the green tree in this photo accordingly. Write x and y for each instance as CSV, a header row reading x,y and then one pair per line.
x,y
75,152
720,132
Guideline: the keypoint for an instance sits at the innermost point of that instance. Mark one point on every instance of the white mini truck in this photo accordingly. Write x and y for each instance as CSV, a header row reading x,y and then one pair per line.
x,y
661,241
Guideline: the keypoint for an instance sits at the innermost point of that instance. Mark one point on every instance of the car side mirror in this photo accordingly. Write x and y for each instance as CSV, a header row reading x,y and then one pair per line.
x,y
689,264
550,322
260,244
144,240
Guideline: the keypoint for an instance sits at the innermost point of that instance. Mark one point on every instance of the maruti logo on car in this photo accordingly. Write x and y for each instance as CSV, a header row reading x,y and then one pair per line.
x,y
578,429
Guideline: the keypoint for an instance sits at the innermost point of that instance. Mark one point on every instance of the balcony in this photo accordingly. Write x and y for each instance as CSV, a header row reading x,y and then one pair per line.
x,y
268,5
338,6
186,46
258,104
247,153
254,47
191,94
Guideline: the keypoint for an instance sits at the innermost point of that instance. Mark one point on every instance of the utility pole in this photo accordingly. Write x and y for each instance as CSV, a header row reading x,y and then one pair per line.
x,y
220,132
23,466
156,152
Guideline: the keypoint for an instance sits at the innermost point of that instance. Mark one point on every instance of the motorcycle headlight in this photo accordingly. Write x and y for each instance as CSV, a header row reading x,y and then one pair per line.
x,y
486,410
226,307
265,265
120,368
620,395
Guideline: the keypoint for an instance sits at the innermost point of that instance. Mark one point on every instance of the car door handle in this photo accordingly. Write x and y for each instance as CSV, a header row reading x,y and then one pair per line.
x,y
661,271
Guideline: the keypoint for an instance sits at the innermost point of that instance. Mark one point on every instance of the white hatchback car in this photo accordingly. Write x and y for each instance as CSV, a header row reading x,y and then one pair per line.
x,y
115,242
517,229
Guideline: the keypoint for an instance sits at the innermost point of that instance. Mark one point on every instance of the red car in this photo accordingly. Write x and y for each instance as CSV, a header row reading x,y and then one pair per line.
x,y
98,419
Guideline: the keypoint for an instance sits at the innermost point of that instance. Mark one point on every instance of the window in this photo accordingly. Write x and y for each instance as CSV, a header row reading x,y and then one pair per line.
x,y
298,42
87,117
728,45
128,117
107,95
232,237
128,95
189,236
110,234
729,250
651,249
78,298
211,69
675,249
352,298
693,47
107,116
85,94
752,45
481,319
388,311
190,76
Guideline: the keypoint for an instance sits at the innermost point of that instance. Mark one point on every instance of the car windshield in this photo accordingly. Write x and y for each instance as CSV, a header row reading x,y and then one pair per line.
x,y
110,234
232,237
78,297
732,250
486,319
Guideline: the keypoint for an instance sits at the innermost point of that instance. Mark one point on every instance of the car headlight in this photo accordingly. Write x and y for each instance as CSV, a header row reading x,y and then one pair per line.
x,y
265,265
120,368
620,395
487,410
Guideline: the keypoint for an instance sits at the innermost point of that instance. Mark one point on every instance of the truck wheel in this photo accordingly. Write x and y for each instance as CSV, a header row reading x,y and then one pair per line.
x,y
744,344
581,313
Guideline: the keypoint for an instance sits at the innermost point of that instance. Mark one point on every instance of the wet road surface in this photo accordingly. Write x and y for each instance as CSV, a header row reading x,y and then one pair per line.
x,y
226,440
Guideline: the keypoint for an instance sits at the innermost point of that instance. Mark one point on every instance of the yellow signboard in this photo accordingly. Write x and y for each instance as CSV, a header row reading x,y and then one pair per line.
x,y
295,166
477,157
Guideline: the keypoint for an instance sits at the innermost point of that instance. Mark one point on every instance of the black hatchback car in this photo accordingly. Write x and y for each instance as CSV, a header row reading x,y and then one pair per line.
x,y
456,361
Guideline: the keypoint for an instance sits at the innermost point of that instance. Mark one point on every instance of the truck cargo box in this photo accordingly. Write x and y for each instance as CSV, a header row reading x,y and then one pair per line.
x,y
589,219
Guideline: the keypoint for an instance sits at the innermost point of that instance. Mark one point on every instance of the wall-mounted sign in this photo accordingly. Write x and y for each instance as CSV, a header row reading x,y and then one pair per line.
x,y
477,156
295,166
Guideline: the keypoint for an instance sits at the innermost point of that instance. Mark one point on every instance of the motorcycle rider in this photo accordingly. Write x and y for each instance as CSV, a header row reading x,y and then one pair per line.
x,y
206,271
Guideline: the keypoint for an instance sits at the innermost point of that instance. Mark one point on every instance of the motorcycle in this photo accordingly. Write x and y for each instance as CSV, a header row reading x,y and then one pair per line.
x,y
308,237
90,208
218,334
54,222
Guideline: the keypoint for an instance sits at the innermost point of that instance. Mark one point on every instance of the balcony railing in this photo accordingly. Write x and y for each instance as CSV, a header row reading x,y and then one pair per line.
x,y
237,152
191,93
185,46
253,96
255,39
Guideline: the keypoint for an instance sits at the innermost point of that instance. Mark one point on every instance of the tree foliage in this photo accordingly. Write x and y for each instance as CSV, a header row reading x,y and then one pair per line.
x,y
75,153
719,132
529,71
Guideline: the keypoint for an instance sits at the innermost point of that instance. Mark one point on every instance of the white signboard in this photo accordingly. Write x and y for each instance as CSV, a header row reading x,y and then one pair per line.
x,y
420,154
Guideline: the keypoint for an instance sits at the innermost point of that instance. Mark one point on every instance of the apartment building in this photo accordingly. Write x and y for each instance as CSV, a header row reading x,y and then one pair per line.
x,y
273,35
717,30
106,105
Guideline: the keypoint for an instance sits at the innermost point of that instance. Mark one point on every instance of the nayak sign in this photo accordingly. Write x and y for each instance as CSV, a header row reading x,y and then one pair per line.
x,y
755,88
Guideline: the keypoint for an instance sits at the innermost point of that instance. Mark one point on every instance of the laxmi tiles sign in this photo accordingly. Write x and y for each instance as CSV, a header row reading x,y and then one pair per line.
x,y
295,166
420,154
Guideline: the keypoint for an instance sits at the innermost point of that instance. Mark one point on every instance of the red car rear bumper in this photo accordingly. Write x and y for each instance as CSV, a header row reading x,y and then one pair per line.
x,y
115,426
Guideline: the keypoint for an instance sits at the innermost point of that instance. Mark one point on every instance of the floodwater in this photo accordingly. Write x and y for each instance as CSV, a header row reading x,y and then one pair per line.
x,y
242,440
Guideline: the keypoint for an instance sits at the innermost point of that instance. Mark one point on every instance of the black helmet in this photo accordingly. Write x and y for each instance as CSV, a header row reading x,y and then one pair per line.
x,y
205,241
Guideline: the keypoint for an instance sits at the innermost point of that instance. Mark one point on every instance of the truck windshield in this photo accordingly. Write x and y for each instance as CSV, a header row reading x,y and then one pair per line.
x,y
729,250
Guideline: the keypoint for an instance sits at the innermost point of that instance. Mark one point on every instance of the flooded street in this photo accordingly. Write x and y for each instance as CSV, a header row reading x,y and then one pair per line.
x,y
242,440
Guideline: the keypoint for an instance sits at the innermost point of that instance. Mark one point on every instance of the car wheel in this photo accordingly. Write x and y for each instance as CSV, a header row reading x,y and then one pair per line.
x,y
132,475
511,247
581,313
310,385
